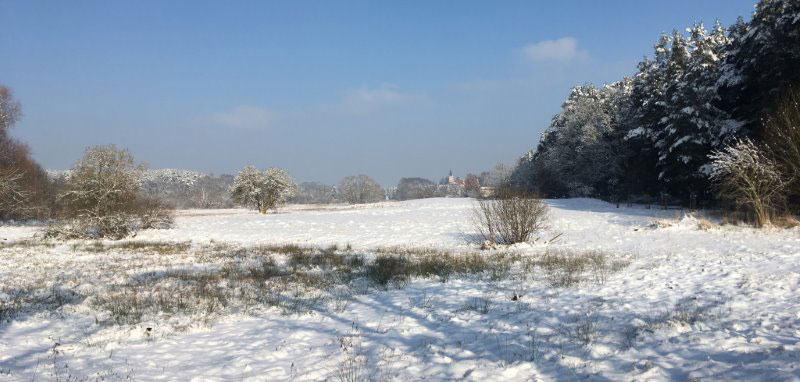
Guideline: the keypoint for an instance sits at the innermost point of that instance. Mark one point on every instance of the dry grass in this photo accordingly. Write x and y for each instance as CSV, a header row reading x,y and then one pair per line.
x,y
150,247
564,268
145,279
785,221
704,224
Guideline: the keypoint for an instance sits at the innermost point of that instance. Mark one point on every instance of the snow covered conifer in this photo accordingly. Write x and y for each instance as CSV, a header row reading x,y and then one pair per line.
x,y
690,129
262,189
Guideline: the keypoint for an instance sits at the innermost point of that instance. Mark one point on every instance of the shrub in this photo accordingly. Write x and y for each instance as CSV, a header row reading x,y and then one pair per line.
x,y
103,199
154,214
745,174
511,217
263,190
386,269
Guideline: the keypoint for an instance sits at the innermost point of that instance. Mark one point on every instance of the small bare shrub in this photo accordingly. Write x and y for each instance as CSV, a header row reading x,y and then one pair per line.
x,y
511,217
480,305
585,329
354,368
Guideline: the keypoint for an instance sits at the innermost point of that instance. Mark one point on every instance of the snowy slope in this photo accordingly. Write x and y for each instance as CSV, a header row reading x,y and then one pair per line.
x,y
721,304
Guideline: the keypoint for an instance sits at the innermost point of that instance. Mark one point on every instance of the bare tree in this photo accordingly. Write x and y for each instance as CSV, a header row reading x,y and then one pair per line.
x,y
512,217
263,190
10,110
14,200
745,174
360,189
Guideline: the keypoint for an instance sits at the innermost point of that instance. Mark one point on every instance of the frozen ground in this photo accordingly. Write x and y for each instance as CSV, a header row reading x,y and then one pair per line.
x,y
721,304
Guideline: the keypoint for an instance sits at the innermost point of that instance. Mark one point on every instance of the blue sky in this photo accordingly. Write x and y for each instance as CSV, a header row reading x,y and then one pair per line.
x,y
324,89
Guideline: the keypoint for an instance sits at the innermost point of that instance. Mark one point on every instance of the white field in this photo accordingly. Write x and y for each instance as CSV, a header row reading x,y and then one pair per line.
x,y
721,304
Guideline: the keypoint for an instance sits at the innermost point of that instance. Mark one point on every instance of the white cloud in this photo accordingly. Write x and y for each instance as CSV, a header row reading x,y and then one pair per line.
x,y
365,100
245,117
562,50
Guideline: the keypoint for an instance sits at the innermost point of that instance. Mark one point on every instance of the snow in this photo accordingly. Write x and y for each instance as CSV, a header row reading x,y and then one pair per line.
x,y
739,284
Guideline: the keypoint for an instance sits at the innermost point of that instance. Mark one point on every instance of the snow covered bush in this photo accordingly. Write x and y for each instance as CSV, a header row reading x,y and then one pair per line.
x,y
511,217
262,189
103,198
745,174
359,189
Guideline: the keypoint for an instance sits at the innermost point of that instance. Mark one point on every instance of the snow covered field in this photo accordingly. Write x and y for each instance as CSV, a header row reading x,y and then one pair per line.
x,y
683,304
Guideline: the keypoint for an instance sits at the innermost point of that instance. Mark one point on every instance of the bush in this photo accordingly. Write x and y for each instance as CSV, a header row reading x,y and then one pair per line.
x,y
386,269
262,189
154,214
743,173
103,199
511,217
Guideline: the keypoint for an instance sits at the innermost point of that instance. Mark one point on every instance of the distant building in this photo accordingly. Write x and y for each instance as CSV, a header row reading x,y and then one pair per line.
x,y
454,180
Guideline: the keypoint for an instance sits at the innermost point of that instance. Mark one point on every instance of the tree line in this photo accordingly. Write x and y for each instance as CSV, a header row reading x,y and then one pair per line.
x,y
653,136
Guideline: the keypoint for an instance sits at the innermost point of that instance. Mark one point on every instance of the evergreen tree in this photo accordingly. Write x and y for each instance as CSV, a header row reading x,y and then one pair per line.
x,y
764,58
